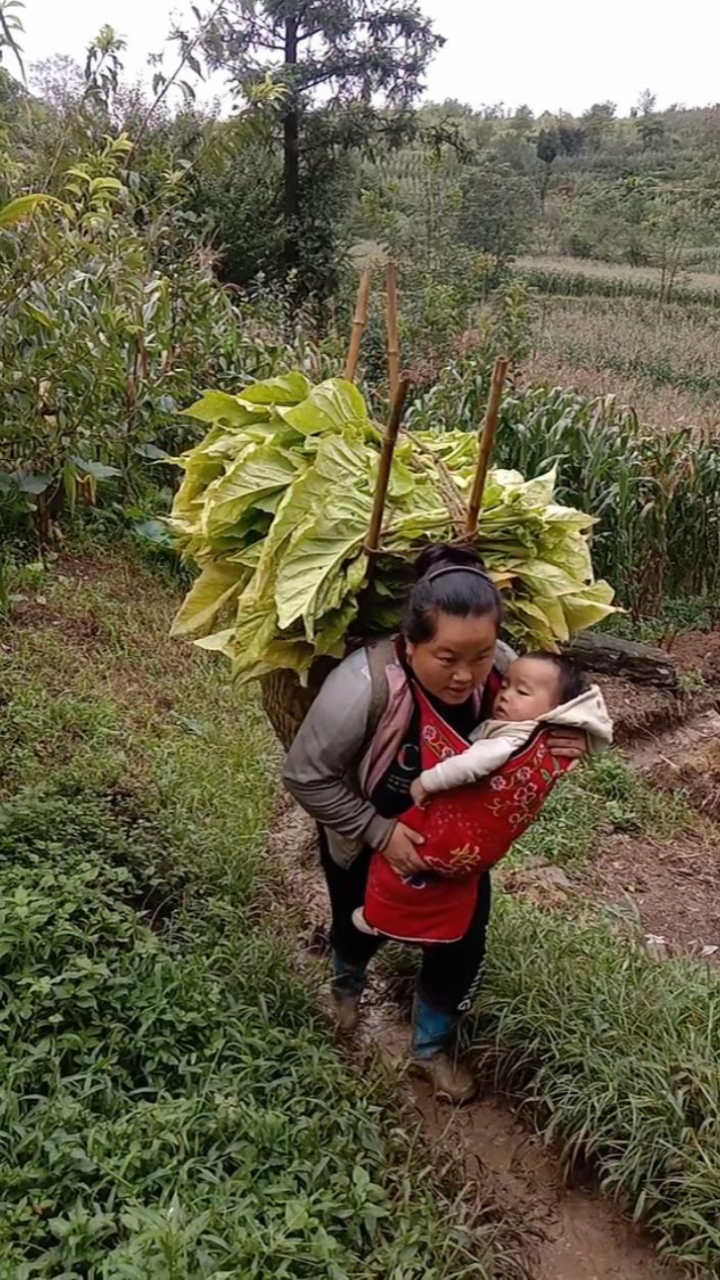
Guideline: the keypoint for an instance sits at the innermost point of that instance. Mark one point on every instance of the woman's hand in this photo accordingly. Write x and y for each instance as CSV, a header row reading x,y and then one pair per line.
x,y
568,744
401,851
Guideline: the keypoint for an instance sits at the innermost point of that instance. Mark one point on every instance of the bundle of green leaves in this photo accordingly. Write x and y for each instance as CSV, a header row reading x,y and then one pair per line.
x,y
275,507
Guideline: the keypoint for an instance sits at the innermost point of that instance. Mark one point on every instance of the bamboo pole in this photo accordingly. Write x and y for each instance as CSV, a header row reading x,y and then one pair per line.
x,y
487,441
358,326
393,348
372,541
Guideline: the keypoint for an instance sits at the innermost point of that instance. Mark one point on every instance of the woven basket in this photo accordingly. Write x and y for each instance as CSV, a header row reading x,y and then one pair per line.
x,y
286,702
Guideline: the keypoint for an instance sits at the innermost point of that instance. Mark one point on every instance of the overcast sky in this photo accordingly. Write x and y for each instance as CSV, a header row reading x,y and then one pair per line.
x,y
560,53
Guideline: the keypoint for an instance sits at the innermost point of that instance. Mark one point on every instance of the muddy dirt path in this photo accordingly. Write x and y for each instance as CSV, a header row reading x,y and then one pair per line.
x,y
567,1233
678,745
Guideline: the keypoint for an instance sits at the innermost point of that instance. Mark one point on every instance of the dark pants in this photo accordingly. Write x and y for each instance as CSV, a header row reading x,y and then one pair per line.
x,y
450,971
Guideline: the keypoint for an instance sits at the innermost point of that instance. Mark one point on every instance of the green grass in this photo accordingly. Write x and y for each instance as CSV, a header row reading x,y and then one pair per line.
x,y
599,799
618,1055
691,613
172,1105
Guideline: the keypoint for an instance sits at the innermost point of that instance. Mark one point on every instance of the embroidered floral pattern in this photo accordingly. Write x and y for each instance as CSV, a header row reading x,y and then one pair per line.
x,y
471,828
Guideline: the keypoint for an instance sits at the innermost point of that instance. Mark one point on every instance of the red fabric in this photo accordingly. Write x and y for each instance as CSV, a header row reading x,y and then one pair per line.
x,y
467,830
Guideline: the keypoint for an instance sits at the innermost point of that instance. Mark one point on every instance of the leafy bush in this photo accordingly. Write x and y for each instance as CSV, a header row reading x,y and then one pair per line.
x,y
108,328
104,327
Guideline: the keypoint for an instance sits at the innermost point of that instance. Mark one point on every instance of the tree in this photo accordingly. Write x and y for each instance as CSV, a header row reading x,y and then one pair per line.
x,y
353,56
647,102
597,120
11,28
546,149
497,210
650,127
571,136
58,81
522,121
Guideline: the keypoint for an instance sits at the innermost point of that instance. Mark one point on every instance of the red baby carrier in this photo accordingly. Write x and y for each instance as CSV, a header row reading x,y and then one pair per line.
x,y
466,830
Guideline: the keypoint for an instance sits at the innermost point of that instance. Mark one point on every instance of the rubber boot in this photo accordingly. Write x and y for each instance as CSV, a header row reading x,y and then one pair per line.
x,y
347,987
432,1033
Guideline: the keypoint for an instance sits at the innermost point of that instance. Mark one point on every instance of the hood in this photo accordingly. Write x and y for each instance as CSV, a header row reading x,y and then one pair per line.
x,y
587,712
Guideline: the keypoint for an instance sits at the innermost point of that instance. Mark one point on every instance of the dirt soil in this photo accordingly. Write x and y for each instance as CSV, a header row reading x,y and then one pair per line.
x,y
686,759
698,651
566,1232
672,887
638,709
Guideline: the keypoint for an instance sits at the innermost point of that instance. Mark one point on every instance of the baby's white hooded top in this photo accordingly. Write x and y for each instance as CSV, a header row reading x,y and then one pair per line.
x,y
496,741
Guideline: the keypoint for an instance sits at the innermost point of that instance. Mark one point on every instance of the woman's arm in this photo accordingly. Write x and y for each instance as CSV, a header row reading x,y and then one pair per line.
x,y
327,746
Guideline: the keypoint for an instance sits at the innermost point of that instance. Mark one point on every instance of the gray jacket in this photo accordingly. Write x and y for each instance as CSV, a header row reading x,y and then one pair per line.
x,y
328,759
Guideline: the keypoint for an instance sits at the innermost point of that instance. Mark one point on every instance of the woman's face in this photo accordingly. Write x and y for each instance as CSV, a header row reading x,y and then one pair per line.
x,y
457,659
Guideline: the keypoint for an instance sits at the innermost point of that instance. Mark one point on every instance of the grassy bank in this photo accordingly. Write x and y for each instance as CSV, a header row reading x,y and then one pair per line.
x,y
618,1055
615,1053
602,799
172,1105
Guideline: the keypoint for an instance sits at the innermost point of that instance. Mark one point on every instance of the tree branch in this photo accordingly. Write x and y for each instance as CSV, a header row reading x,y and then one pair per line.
x,y
163,92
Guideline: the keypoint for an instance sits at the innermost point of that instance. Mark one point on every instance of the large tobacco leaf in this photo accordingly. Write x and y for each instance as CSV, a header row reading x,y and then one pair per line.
x,y
274,509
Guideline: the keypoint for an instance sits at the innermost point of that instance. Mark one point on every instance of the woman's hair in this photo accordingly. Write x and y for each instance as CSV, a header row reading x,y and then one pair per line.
x,y
451,579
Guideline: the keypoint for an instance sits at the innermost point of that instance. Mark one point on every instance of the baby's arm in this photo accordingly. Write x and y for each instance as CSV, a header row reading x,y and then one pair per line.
x,y
480,759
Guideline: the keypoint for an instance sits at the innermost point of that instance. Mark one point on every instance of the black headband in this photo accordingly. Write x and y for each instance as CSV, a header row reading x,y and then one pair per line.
x,y
455,568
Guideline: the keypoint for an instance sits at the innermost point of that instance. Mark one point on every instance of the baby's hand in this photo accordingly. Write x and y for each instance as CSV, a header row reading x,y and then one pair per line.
x,y
420,796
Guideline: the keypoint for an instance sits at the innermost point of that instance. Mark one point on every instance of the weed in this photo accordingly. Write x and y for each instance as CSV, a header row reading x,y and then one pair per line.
x,y
692,682
690,613
172,1105
630,804
618,1055
603,796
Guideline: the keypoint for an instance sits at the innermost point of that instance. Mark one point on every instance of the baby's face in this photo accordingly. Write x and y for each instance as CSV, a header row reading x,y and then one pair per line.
x,y
530,689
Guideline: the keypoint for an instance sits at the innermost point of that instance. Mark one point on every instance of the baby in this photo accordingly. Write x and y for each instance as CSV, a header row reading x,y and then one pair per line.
x,y
540,690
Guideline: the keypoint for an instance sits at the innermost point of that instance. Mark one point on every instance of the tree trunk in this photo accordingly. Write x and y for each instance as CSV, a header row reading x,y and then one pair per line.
x,y
291,157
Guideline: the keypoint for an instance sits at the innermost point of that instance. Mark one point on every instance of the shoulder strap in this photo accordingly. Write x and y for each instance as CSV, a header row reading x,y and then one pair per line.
x,y
380,653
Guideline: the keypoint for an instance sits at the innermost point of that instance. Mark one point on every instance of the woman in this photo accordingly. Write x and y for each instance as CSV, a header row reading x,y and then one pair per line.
x,y
351,767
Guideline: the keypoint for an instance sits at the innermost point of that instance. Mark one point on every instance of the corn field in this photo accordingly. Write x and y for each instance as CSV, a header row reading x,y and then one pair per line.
x,y
656,496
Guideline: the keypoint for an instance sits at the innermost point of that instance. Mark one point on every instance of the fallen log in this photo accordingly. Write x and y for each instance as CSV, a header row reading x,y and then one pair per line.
x,y
611,656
